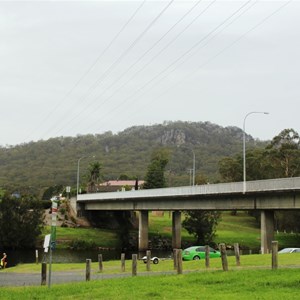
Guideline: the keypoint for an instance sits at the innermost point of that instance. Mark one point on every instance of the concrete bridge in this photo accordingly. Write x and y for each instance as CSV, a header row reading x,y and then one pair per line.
x,y
265,196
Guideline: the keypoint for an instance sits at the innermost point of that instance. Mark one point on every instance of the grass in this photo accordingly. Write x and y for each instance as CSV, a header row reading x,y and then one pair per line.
x,y
246,282
101,237
162,225
241,229
114,266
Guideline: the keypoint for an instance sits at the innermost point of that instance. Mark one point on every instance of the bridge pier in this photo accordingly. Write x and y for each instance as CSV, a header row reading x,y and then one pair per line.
x,y
267,230
143,230
176,229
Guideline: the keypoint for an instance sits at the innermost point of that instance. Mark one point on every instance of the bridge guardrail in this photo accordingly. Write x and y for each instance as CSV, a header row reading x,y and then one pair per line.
x,y
292,183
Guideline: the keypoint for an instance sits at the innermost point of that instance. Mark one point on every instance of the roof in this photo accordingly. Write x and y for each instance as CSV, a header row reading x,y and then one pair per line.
x,y
121,183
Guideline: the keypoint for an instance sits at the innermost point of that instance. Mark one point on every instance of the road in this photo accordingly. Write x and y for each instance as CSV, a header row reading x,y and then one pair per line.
x,y
34,279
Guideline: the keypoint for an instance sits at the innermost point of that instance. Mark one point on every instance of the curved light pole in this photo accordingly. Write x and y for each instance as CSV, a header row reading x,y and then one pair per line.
x,y
244,145
78,163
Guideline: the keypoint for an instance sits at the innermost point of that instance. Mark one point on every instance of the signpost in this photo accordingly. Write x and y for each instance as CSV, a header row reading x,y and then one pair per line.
x,y
68,190
52,237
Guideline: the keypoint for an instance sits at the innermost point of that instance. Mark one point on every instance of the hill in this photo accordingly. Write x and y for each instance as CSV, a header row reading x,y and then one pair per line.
x,y
38,165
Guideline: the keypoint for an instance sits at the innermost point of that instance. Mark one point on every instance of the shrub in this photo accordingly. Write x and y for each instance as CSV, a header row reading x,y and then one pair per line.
x,y
82,244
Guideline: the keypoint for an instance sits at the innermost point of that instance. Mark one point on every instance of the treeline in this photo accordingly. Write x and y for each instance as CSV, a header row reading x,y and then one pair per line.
x,y
35,166
278,159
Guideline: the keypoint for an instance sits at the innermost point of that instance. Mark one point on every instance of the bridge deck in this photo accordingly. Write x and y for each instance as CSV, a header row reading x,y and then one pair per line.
x,y
261,194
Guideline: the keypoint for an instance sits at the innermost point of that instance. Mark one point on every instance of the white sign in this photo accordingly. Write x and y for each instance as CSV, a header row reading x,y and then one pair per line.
x,y
47,242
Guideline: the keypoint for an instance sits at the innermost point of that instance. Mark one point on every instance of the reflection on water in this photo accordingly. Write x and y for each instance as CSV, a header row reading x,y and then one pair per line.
x,y
79,256
72,256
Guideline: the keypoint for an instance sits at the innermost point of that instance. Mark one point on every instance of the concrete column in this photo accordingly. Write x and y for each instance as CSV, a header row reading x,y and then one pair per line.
x,y
143,230
267,230
176,230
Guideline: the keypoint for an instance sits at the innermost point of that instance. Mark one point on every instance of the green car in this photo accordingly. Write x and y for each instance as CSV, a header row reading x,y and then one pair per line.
x,y
198,252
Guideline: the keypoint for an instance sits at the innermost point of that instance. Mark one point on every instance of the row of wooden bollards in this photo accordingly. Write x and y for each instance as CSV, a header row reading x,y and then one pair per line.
x,y
177,259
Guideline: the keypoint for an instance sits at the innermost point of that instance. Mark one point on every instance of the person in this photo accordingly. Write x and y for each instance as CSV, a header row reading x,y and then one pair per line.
x,y
4,261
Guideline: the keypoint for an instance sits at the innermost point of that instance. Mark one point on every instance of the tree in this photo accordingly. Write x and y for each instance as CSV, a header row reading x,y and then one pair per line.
x,y
202,224
52,191
155,176
93,176
230,169
21,222
284,153
279,159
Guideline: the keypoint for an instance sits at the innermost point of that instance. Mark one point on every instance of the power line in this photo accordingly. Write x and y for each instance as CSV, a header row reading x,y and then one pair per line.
x,y
91,67
140,58
120,58
180,57
175,38
222,51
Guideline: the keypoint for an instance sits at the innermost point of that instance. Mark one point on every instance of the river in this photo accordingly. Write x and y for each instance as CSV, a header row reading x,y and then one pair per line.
x,y
15,257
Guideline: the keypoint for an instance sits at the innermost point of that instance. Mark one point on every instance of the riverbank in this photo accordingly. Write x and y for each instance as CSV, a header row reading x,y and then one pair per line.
x,y
240,228
252,280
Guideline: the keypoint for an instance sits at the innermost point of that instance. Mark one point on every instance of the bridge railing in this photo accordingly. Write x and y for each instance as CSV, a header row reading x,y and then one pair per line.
x,y
220,188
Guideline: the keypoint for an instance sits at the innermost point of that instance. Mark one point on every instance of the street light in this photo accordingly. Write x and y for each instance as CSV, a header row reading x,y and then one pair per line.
x,y
194,164
78,162
244,145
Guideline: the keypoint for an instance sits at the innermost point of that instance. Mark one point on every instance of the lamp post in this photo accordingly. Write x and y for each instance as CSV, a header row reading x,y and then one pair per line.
x,y
78,163
194,164
244,145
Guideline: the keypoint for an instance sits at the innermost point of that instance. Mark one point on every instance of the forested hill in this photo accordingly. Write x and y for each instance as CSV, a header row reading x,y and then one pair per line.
x,y
37,165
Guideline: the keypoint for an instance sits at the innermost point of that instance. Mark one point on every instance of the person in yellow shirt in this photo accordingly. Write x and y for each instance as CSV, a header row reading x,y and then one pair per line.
x,y
4,261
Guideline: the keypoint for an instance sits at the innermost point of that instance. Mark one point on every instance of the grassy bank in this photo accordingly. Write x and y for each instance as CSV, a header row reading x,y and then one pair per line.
x,y
254,284
114,266
253,280
89,237
240,228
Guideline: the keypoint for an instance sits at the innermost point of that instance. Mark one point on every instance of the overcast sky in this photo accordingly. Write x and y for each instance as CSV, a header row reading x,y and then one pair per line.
x,y
80,67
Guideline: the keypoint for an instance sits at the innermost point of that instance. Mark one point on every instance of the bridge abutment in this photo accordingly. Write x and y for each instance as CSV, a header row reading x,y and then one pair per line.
x,y
176,229
267,230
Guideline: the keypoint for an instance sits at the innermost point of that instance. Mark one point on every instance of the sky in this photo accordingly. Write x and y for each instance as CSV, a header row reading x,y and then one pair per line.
x,y
71,68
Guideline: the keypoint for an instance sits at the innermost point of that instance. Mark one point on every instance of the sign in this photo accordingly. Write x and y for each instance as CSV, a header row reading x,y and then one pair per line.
x,y
68,189
46,242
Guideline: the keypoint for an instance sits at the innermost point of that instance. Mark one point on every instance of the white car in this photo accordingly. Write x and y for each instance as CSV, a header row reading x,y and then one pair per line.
x,y
290,250
154,259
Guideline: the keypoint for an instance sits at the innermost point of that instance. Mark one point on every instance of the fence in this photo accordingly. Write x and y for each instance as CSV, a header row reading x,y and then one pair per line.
x,y
177,261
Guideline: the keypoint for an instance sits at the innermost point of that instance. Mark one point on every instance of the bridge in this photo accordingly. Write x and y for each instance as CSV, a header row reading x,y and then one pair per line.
x,y
265,196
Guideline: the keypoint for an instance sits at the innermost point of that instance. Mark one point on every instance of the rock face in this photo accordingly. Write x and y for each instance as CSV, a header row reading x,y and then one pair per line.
x,y
174,136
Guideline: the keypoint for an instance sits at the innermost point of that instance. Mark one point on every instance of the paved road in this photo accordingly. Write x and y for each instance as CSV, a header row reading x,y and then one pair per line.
x,y
30,279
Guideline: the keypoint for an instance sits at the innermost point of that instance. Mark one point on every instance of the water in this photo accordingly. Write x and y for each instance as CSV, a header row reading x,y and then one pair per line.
x,y
72,256
79,256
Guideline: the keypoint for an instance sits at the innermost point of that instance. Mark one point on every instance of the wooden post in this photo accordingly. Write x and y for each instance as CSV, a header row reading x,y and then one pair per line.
x,y
222,248
179,261
148,254
36,256
175,260
274,255
88,270
44,273
122,262
134,264
100,262
207,252
237,254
